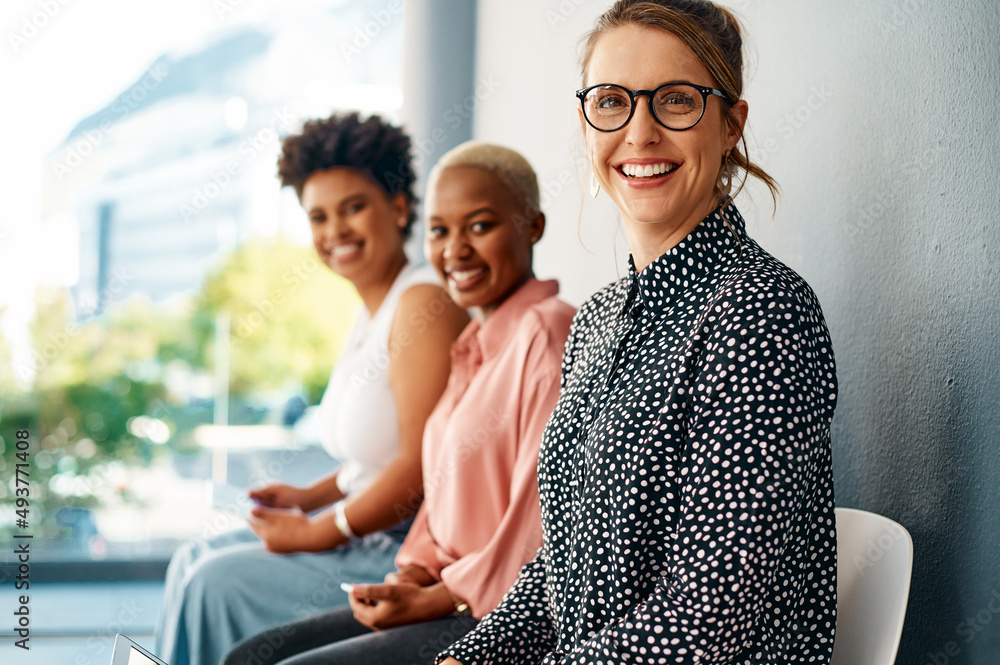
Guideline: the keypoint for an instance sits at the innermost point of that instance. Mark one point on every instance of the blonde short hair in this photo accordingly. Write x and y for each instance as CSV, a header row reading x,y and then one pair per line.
x,y
509,166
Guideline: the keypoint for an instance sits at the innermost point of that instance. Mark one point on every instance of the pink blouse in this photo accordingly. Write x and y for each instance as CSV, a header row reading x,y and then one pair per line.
x,y
480,520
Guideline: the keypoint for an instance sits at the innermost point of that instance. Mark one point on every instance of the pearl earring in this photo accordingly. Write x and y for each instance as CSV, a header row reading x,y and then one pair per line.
x,y
595,187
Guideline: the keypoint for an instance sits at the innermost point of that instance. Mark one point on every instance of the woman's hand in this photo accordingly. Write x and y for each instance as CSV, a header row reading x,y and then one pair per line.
x,y
381,606
287,531
279,495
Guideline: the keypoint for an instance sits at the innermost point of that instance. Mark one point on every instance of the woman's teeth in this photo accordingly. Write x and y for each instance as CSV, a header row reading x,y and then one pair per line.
x,y
344,250
464,275
647,170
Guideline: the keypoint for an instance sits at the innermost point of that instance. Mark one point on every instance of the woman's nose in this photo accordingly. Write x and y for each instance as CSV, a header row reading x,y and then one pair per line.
x,y
335,227
643,128
456,247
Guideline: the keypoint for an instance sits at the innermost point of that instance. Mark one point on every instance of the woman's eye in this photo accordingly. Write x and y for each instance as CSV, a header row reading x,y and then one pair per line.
x,y
436,232
317,219
611,102
481,227
675,102
354,208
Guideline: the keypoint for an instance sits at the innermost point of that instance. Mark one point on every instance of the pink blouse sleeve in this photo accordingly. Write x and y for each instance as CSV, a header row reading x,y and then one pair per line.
x,y
483,577
418,546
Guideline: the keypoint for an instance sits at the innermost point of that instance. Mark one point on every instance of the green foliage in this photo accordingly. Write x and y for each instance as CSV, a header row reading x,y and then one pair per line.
x,y
93,378
82,401
288,316
8,381
78,434
131,336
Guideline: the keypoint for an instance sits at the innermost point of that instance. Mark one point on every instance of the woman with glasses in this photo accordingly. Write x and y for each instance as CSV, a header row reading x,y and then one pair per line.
x,y
354,179
480,520
685,475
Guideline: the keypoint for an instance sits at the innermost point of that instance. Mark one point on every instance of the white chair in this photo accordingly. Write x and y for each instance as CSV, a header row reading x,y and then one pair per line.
x,y
874,561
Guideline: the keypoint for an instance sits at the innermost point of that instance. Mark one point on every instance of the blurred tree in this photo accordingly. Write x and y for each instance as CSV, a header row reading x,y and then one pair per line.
x,y
8,381
82,407
100,401
289,316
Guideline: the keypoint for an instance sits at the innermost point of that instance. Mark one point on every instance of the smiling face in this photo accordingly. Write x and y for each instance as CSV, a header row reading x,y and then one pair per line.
x,y
662,181
355,227
478,238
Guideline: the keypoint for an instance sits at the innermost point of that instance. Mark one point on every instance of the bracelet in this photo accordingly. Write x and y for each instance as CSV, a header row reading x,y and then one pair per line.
x,y
340,519
462,608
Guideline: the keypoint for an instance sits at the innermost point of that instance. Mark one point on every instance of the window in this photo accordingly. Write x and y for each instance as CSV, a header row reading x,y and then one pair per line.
x,y
157,302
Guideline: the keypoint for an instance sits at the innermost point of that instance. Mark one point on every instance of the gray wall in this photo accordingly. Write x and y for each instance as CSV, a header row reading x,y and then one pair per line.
x,y
879,119
439,87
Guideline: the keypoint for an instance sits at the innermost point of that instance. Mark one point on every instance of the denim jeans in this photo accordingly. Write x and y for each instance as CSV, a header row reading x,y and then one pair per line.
x,y
227,588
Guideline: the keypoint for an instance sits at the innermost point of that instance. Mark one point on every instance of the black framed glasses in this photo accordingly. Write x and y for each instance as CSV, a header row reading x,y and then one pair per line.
x,y
677,105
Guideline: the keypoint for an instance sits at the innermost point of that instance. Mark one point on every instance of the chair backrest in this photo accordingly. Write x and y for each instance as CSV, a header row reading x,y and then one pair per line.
x,y
874,561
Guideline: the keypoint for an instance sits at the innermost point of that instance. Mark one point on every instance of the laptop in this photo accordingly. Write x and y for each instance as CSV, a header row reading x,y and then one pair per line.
x,y
127,652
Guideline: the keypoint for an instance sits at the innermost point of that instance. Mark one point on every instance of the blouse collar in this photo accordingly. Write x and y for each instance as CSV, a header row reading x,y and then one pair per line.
x,y
491,336
717,241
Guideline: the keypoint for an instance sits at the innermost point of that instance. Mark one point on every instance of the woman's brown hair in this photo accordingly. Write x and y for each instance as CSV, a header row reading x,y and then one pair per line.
x,y
369,145
714,35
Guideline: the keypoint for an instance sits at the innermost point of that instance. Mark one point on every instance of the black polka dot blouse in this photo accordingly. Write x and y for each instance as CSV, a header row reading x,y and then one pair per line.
x,y
685,474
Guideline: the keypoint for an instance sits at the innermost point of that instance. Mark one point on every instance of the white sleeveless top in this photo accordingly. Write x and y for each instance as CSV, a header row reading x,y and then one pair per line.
x,y
358,421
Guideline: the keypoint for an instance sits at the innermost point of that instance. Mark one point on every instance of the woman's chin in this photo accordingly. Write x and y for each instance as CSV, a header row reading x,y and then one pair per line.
x,y
353,271
466,300
663,213
645,217
479,301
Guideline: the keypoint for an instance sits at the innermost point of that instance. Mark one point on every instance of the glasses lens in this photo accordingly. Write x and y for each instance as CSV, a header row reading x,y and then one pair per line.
x,y
607,107
679,106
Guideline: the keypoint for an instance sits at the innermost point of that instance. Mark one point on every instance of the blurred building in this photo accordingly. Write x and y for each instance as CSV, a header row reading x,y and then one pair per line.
x,y
181,164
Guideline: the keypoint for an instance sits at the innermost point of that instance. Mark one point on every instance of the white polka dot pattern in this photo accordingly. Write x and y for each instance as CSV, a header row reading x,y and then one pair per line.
x,y
685,474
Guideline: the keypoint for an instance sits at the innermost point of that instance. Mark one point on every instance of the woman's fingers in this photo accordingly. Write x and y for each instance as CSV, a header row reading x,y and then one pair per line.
x,y
265,512
270,514
265,496
375,592
277,495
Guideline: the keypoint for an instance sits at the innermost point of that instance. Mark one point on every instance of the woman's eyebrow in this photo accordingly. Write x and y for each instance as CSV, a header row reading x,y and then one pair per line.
x,y
360,197
468,215
480,210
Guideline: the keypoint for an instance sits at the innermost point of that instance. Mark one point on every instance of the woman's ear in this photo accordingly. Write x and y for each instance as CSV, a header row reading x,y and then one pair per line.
x,y
735,133
401,205
536,228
